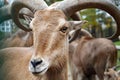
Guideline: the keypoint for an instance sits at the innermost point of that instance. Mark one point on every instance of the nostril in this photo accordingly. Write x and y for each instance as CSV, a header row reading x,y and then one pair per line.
x,y
35,62
38,62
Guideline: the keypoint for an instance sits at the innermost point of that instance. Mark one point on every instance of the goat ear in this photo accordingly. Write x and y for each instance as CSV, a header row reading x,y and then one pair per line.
x,y
28,19
75,25
71,34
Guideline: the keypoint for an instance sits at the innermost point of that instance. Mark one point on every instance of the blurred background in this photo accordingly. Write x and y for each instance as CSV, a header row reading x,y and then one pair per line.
x,y
100,23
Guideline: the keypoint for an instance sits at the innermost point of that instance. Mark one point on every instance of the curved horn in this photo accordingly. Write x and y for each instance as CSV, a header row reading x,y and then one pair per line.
x,y
77,5
76,34
32,5
80,33
76,16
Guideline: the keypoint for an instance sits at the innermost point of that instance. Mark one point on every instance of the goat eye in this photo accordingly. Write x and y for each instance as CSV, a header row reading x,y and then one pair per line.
x,y
64,29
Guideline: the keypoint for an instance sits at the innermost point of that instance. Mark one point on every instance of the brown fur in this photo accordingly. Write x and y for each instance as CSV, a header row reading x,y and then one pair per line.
x,y
19,39
49,43
9,66
12,70
111,74
91,57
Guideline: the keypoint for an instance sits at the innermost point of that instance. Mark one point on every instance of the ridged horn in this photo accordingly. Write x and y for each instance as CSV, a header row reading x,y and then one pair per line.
x,y
71,6
76,16
32,5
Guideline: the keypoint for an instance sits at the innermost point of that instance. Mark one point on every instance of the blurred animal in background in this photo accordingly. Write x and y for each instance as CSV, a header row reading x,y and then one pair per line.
x,y
47,59
112,73
18,39
91,56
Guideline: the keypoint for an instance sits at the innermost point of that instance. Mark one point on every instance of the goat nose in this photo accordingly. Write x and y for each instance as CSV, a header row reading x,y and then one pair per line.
x,y
36,62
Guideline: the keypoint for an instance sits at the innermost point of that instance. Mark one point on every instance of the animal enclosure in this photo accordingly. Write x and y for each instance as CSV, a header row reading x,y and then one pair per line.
x,y
47,51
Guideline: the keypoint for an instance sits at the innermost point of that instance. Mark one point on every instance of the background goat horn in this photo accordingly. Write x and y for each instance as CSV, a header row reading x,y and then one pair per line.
x,y
32,5
71,6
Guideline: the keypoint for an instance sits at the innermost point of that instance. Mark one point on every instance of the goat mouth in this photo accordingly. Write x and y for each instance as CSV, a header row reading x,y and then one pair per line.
x,y
40,72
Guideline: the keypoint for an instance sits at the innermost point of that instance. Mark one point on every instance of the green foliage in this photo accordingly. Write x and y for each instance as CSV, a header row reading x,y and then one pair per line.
x,y
117,43
89,14
118,59
99,22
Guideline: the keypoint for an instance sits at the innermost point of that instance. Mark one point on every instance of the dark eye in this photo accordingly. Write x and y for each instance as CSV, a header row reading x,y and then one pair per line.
x,y
64,29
